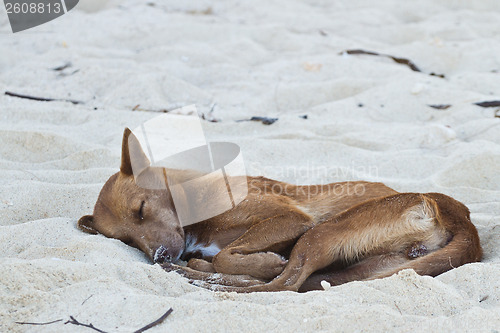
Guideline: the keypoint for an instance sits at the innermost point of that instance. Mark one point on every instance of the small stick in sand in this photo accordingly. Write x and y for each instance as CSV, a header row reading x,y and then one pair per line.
x,y
41,99
488,104
47,323
76,322
156,322
209,117
440,106
140,330
62,67
402,61
89,325
397,307
87,299
264,120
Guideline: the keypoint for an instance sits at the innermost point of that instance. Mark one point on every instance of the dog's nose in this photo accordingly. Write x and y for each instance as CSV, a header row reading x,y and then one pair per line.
x,y
162,255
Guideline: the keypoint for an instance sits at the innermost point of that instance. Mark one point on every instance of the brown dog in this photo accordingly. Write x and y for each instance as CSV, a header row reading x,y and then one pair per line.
x,y
286,237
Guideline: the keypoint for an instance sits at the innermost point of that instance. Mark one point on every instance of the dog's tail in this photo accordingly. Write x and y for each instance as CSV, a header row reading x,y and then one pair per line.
x,y
463,248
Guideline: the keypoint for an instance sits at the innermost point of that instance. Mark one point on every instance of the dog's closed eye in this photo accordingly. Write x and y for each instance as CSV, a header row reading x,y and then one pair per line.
x,y
141,210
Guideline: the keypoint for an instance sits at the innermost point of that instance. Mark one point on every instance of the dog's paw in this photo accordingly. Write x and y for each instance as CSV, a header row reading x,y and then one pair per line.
x,y
241,287
201,265
169,267
228,280
267,265
258,287
213,286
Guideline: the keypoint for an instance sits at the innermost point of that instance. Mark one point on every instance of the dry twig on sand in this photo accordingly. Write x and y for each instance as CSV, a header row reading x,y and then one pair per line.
x,y
156,322
440,106
402,61
264,120
37,324
73,321
41,99
488,104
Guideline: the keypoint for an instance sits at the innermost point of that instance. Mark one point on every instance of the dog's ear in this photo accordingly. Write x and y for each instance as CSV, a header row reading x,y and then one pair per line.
x,y
86,223
133,158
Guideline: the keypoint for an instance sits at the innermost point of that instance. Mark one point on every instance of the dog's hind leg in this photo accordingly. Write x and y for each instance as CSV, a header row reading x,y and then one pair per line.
x,y
454,254
380,226
359,271
416,258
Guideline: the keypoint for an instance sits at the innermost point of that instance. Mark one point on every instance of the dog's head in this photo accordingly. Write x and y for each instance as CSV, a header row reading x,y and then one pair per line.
x,y
138,215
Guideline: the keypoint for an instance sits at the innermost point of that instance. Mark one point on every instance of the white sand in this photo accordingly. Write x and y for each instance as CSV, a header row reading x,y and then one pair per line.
x,y
251,58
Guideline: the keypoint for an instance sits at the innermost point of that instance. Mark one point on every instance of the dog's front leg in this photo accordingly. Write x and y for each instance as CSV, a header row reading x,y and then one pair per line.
x,y
213,281
254,252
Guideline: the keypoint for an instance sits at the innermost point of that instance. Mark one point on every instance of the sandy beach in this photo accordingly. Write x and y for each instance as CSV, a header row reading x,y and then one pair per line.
x,y
340,117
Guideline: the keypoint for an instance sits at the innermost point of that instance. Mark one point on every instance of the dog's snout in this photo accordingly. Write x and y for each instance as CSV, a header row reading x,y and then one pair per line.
x,y
162,255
